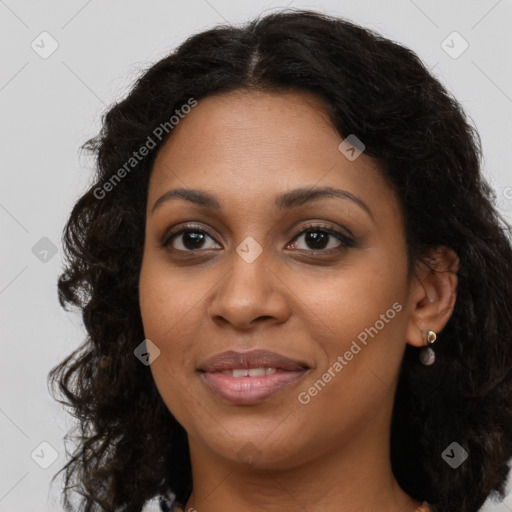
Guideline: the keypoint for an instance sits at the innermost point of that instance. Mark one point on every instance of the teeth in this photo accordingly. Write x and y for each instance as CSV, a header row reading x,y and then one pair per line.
x,y
256,372
253,372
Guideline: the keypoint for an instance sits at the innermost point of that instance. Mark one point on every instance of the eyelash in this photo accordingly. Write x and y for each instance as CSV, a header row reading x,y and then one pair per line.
x,y
346,242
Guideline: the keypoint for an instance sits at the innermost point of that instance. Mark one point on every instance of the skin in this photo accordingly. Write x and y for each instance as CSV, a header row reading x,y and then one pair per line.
x,y
245,148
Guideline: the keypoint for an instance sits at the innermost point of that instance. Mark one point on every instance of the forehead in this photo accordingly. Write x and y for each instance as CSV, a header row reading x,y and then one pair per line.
x,y
240,123
246,145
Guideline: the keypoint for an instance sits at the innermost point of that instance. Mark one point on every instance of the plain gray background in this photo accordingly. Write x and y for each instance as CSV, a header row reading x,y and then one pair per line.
x,y
50,104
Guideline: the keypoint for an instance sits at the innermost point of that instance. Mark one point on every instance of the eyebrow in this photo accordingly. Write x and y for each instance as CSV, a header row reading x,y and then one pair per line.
x,y
287,200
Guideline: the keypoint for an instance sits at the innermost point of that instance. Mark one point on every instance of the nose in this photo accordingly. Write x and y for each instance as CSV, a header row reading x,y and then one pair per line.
x,y
250,293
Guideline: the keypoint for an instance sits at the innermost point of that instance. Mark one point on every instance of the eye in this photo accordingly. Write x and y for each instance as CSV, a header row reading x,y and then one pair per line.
x,y
322,239
190,238
316,239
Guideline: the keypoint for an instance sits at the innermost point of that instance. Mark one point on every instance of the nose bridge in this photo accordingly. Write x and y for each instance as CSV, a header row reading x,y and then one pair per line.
x,y
247,280
249,290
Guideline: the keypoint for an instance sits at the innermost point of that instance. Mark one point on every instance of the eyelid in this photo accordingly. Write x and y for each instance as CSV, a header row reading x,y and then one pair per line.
x,y
320,226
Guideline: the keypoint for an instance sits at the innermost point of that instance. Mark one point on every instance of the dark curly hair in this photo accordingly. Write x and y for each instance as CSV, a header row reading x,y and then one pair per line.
x,y
129,447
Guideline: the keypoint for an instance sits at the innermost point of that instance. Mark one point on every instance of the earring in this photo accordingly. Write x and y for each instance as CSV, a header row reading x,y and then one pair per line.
x,y
427,355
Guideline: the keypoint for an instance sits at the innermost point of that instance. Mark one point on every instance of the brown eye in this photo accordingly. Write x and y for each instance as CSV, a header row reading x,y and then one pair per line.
x,y
322,238
190,239
317,239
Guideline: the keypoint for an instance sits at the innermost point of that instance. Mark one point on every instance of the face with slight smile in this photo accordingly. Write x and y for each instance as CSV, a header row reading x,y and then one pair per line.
x,y
261,267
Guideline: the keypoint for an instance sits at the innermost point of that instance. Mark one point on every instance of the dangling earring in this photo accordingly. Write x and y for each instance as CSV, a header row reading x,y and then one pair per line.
x,y
427,355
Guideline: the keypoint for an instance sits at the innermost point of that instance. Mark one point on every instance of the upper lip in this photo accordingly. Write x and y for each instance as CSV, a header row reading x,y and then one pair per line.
x,y
232,360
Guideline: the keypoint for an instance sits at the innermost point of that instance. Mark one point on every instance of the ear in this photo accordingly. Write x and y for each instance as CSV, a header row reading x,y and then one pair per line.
x,y
432,294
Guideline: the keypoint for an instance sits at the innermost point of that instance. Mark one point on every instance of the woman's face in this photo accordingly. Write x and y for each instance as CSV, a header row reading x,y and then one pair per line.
x,y
272,261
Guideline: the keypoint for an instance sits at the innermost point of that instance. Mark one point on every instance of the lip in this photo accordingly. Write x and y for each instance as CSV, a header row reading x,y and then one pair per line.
x,y
232,359
250,390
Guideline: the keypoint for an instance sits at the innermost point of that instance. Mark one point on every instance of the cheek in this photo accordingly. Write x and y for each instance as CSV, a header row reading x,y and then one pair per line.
x,y
353,298
363,322
170,301
161,308
167,296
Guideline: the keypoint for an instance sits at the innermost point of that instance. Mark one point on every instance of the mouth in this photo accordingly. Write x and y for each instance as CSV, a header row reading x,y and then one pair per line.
x,y
245,378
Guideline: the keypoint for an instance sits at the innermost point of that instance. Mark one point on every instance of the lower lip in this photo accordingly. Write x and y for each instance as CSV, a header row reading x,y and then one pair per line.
x,y
250,390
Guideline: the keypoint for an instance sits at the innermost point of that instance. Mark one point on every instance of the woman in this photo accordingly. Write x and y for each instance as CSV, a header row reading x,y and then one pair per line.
x,y
294,281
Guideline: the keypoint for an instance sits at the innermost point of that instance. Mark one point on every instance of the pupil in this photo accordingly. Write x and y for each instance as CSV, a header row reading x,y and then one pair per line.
x,y
317,239
196,239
